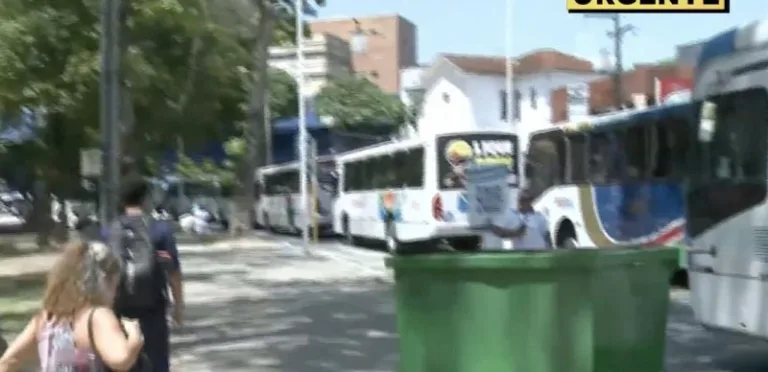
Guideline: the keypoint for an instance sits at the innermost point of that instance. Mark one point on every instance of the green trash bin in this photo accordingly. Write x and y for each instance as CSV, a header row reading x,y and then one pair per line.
x,y
598,310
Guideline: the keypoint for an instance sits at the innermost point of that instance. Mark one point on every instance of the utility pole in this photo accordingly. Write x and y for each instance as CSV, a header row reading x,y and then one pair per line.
x,y
617,34
110,105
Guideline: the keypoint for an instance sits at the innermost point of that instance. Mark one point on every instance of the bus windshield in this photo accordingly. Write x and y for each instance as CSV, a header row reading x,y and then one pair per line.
x,y
727,175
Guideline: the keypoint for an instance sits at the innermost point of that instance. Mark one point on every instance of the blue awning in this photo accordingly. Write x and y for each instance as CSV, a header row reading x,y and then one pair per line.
x,y
19,129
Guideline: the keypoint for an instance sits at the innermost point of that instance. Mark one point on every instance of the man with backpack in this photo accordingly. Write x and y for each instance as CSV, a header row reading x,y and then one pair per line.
x,y
150,268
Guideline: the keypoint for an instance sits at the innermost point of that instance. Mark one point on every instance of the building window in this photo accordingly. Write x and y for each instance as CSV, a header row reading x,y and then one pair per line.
x,y
503,104
534,98
515,105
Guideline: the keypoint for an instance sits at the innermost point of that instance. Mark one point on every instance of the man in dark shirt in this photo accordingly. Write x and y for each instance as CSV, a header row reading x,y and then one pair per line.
x,y
154,321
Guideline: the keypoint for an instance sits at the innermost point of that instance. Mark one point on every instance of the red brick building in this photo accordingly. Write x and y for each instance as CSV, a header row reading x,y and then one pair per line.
x,y
381,46
640,80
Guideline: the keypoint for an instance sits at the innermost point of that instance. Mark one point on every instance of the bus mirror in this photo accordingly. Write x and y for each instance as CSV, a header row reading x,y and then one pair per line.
x,y
707,121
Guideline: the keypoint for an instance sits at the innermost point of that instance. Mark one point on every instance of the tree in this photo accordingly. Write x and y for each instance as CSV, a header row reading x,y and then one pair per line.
x,y
355,102
283,94
184,73
283,102
259,22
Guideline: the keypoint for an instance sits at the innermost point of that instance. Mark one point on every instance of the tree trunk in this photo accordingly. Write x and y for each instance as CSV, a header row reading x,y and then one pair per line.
x,y
255,130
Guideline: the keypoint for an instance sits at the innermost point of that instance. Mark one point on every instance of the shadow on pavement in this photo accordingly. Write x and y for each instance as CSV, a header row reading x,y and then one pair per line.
x,y
295,327
691,348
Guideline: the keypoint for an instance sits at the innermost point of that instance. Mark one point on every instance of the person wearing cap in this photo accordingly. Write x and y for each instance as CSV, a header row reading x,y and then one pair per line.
x,y
527,228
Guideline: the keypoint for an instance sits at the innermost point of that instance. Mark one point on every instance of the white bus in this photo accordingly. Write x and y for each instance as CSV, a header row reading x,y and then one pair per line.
x,y
279,204
411,193
614,179
727,182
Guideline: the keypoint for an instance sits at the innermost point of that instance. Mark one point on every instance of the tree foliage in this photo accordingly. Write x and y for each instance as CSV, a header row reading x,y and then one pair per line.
x,y
355,102
283,94
183,71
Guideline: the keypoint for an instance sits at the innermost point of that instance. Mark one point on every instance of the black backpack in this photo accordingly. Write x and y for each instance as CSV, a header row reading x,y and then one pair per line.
x,y
139,283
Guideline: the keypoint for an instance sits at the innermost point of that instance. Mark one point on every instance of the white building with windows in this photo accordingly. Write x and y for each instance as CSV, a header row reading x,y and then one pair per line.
x,y
325,57
463,92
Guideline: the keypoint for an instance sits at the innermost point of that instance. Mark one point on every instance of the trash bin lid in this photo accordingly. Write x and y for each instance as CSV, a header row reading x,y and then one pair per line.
x,y
587,259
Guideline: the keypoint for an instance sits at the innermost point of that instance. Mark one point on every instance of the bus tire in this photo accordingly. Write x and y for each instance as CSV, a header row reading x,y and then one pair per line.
x,y
348,237
566,236
465,244
390,237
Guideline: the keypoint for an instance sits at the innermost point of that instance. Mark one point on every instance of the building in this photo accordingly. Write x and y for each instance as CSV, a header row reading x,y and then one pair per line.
x,y
411,87
641,82
380,45
325,57
464,92
688,54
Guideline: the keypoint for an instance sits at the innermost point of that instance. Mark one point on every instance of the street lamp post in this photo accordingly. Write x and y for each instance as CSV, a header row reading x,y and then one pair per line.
x,y
109,120
510,97
617,34
303,135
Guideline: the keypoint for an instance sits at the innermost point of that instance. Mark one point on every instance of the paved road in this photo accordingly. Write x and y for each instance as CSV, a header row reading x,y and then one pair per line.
x,y
264,306
270,309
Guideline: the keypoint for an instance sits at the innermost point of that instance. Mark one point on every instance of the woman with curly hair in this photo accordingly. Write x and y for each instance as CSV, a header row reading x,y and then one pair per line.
x,y
77,329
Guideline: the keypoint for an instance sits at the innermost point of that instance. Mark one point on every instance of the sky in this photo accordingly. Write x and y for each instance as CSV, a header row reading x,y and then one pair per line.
x,y
478,27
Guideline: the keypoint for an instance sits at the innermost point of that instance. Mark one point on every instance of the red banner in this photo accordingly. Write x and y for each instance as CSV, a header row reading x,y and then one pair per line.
x,y
672,89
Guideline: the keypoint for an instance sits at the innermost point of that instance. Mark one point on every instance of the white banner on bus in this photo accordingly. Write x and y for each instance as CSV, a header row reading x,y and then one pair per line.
x,y
487,193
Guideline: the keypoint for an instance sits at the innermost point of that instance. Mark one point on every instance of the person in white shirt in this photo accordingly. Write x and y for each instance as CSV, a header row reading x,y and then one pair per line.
x,y
527,228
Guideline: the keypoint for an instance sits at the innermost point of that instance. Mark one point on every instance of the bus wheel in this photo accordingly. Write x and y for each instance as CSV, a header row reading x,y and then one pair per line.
x,y
393,245
568,243
348,237
465,244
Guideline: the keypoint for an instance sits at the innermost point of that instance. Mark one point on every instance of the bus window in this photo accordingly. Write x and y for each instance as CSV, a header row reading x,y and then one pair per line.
x,y
357,176
410,166
671,147
545,162
381,178
577,158
636,153
349,172
599,155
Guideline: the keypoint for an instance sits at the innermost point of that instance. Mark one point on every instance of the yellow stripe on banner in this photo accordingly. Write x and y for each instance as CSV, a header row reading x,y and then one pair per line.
x,y
591,220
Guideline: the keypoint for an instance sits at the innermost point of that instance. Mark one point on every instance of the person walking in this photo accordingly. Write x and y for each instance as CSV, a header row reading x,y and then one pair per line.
x,y
77,329
528,228
151,266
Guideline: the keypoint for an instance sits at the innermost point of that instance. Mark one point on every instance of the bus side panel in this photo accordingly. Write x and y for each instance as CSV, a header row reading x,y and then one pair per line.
x,y
638,213
560,205
412,211
362,209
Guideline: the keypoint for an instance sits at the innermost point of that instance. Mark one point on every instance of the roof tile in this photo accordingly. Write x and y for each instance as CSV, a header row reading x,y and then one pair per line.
x,y
544,60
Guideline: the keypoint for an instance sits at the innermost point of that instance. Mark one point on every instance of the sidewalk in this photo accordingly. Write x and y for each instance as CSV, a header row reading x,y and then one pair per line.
x,y
27,265
266,306
38,263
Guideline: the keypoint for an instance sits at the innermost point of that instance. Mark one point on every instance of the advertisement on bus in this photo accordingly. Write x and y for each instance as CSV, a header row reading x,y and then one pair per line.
x,y
456,153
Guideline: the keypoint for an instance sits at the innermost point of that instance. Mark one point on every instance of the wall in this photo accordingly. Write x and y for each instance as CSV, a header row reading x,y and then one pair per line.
x,y
390,45
462,102
326,57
